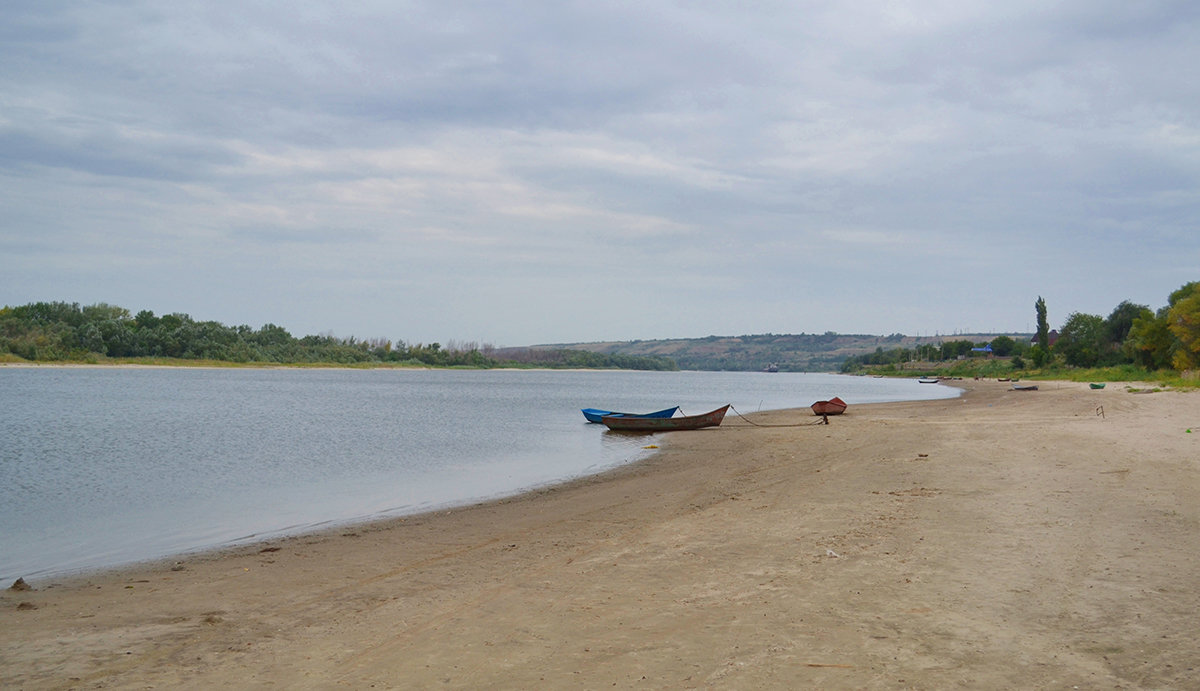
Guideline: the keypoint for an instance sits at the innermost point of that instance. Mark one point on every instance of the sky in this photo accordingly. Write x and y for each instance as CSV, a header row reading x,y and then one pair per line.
x,y
517,173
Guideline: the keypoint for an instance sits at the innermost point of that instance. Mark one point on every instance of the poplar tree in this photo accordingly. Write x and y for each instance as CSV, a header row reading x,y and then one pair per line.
x,y
1041,352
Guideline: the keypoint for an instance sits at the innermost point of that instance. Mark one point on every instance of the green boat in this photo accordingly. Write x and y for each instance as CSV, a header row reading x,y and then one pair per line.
x,y
1097,386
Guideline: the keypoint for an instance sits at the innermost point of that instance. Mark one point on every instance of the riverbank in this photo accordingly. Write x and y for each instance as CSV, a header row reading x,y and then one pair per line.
x,y
1002,539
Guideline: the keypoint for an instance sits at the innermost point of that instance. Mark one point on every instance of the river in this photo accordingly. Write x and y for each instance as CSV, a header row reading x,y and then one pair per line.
x,y
102,466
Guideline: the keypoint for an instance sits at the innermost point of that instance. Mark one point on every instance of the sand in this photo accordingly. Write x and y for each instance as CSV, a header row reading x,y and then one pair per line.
x,y
1002,540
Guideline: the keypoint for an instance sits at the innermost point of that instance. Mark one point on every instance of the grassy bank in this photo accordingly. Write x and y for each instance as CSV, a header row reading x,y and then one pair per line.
x,y
989,368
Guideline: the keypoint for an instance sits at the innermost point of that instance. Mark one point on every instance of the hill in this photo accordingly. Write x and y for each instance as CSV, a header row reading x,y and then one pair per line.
x,y
789,352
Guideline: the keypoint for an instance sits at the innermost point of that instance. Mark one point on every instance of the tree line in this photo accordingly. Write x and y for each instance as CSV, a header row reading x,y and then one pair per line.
x,y
1000,346
67,332
1168,338
1131,334
583,359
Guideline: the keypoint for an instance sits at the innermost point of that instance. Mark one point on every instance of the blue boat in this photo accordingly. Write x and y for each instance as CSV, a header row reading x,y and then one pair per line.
x,y
594,414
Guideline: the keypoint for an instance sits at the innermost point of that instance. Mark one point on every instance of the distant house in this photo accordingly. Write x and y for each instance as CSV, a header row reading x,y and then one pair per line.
x,y
987,349
1052,337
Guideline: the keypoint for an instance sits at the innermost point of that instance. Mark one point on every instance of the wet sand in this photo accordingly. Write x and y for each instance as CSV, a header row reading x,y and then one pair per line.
x,y
1002,540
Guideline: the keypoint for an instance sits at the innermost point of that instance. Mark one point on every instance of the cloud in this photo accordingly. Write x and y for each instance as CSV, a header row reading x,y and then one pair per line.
x,y
486,170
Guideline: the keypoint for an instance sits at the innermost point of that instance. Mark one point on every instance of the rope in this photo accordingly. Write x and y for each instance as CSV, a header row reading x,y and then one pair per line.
x,y
819,421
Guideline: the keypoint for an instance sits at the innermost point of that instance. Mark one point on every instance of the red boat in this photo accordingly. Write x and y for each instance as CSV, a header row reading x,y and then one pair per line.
x,y
834,406
664,424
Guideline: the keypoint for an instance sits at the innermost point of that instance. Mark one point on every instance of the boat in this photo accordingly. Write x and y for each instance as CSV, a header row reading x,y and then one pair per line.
x,y
594,414
834,406
1096,386
1024,387
928,380
664,424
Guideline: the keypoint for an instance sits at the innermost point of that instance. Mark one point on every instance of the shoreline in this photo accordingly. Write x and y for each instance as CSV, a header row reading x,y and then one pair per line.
x,y
322,530
42,545
326,529
998,539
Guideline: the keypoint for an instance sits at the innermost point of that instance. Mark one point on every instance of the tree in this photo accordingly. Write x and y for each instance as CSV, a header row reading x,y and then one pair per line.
x,y
1003,346
145,320
953,349
1082,340
90,338
119,341
1120,321
43,313
170,322
1041,352
272,335
102,311
1150,342
1183,320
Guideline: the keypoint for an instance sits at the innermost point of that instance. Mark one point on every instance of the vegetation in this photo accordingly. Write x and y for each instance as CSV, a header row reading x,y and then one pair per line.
x,y
825,352
922,357
1132,343
66,332
581,359
1041,351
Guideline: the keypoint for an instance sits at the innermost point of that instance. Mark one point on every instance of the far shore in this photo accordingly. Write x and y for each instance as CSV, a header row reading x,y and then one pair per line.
x,y
300,366
1004,539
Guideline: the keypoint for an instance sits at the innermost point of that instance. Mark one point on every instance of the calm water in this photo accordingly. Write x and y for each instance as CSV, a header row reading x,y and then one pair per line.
x,y
105,466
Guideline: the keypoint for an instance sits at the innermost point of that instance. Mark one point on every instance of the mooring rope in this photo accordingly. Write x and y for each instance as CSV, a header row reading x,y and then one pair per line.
x,y
819,421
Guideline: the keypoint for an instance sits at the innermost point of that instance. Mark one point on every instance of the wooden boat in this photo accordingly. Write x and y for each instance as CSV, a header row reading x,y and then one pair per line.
x,y
594,414
1024,387
928,380
834,406
664,424
1096,386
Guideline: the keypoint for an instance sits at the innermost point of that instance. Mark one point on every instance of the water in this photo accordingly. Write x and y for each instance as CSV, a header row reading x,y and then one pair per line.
x,y
105,466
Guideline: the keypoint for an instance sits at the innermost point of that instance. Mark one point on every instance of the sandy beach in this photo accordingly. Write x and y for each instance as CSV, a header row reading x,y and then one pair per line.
x,y
1005,539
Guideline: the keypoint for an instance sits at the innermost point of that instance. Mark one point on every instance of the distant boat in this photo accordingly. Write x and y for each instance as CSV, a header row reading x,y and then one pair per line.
x,y
928,380
1097,386
771,368
834,406
1024,387
594,414
664,424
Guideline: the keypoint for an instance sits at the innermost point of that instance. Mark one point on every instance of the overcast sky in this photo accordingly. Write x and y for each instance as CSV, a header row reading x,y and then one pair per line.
x,y
534,172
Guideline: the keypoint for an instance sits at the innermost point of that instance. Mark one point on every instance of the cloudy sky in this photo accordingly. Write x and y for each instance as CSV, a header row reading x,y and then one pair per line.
x,y
534,172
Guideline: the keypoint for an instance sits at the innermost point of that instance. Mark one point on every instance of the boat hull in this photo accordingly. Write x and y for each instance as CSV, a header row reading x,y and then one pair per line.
x,y
834,406
594,414
664,424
